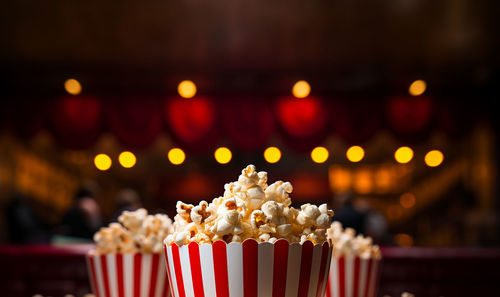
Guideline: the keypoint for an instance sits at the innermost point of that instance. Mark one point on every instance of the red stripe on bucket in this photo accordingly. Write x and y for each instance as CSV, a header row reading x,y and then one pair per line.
x,y
94,277
280,267
137,274
341,273
154,274
322,272
220,268
119,274
250,267
196,276
356,277
328,293
178,270
367,282
305,268
104,268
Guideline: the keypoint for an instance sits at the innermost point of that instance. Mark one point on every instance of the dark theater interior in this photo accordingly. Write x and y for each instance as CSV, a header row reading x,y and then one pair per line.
x,y
384,110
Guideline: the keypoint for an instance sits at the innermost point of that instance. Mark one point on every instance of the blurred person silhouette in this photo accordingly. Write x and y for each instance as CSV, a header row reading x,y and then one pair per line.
x,y
22,223
127,199
83,218
347,214
359,215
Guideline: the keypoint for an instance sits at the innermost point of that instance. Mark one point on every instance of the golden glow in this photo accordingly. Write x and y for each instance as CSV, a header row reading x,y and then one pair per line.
x,y
301,89
102,162
320,154
403,154
127,159
176,156
223,155
363,181
407,200
73,86
340,179
272,154
355,153
186,89
417,88
403,239
434,158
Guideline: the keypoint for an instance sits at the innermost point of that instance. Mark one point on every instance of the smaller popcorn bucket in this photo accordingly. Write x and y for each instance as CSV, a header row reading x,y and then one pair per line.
x,y
128,275
353,277
248,269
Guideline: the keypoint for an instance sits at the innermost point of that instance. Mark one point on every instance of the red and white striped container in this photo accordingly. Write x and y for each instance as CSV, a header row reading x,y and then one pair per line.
x,y
128,275
248,269
353,277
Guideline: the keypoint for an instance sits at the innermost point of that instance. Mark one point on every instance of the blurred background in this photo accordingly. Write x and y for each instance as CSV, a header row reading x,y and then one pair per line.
x,y
385,110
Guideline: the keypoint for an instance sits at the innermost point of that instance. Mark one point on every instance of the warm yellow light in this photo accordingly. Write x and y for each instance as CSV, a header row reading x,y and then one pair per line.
x,y
403,154
127,159
223,155
434,158
355,153
73,86
301,89
407,200
186,89
319,154
272,154
176,156
417,88
102,162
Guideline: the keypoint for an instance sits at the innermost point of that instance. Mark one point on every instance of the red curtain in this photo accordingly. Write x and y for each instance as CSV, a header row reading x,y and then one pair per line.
x,y
135,122
248,123
192,122
410,118
303,121
76,121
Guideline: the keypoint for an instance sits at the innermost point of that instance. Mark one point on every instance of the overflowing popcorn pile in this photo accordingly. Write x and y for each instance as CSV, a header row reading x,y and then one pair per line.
x,y
137,233
345,243
250,208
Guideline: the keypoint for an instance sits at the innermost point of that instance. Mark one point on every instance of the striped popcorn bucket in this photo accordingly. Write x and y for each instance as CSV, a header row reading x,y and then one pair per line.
x,y
353,277
128,275
248,269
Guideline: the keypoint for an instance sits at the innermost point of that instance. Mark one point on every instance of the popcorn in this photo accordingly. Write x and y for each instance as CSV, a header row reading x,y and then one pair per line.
x,y
345,243
250,208
137,233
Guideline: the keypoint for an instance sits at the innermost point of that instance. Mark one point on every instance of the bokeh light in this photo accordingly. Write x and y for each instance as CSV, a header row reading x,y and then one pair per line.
x,y
403,239
176,156
223,155
319,154
403,154
417,88
102,162
72,86
186,89
434,158
272,154
407,200
127,159
355,153
301,89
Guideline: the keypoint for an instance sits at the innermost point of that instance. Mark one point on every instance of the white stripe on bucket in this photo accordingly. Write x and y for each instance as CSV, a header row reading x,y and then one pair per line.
x,y
235,269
